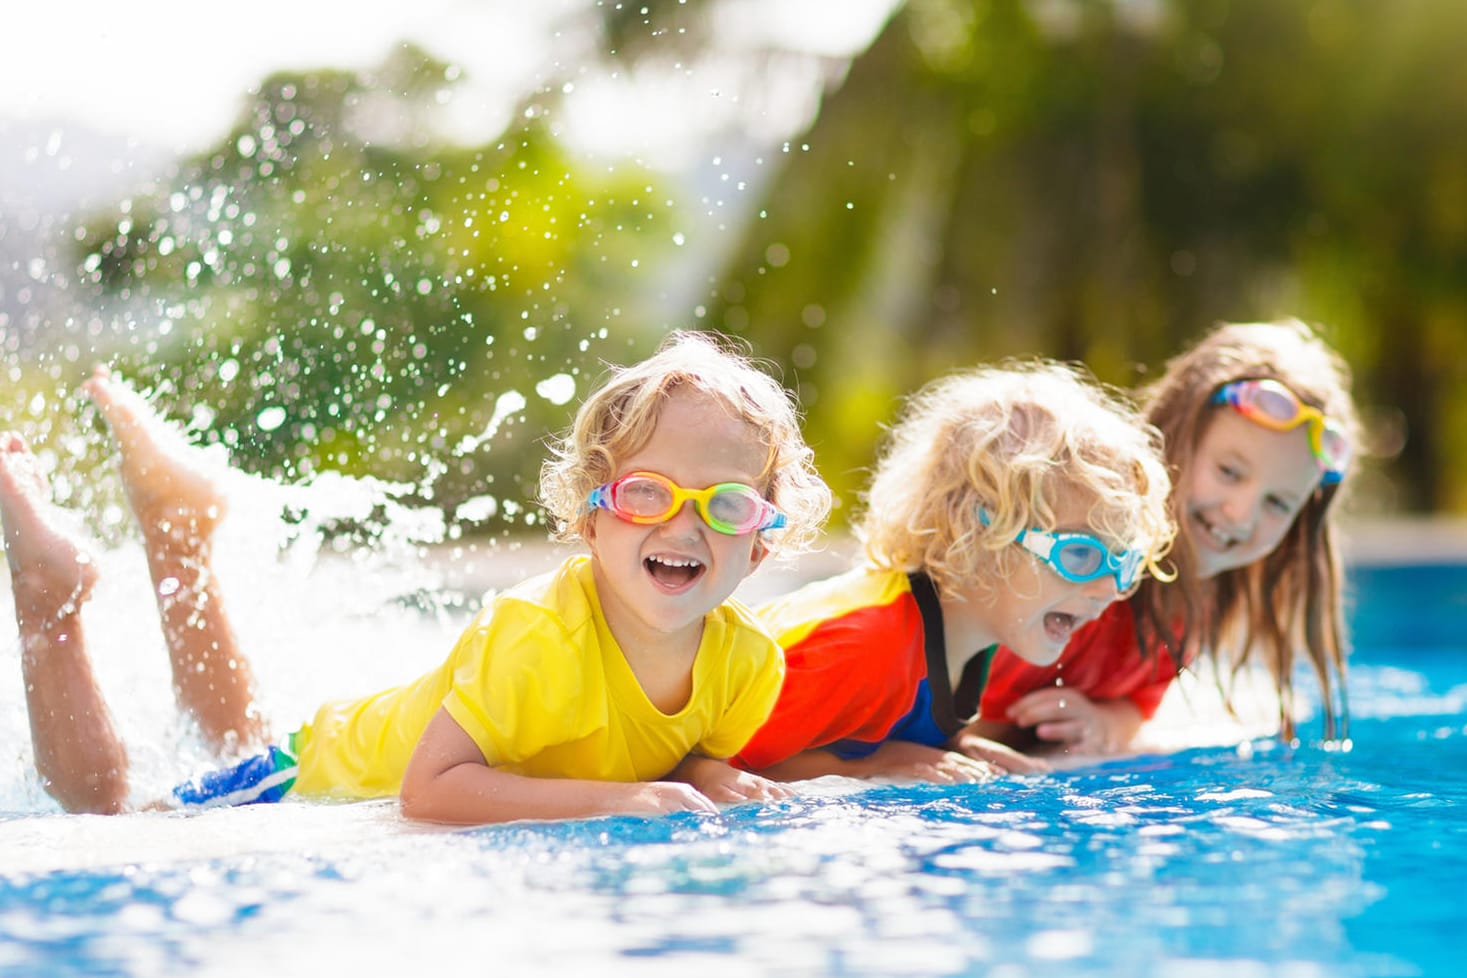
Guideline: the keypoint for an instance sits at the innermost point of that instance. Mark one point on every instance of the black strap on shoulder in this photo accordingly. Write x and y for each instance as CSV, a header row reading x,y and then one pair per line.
x,y
943,713
969,694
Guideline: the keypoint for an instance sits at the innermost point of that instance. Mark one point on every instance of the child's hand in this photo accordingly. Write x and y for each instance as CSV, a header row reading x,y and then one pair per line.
x,y
665,797
904,759
1061,716
1001,756
722,782
1073,722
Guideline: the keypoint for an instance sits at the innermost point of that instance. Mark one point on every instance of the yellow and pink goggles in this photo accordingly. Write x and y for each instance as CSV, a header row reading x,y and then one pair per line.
x,y
1272,405
647,497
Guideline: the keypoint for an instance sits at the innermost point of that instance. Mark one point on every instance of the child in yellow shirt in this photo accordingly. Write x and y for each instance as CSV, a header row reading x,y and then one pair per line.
x,y
616,683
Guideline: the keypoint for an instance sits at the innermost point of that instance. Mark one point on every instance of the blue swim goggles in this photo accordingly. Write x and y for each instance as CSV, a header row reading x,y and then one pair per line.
x,y
1078,557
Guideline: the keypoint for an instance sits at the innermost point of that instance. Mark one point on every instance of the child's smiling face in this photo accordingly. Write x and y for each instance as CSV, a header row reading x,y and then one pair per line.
x,y
1242,490
656,582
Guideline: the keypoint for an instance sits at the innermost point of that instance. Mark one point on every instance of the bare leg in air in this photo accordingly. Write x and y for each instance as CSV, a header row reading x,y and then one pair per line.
x,y
79,755
178,505
81,760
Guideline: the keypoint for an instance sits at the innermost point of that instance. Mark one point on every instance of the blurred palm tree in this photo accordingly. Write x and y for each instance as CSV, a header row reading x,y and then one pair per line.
x,y
1102,181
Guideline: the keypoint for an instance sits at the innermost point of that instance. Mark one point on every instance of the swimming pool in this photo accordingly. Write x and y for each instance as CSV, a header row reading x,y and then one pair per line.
x,y
1217,861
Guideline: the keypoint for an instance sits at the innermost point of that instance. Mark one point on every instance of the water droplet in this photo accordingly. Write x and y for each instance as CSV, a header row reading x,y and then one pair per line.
x,y
270,418
558,389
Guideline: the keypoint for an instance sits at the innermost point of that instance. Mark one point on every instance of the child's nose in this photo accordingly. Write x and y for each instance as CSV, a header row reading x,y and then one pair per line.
x,y
1242,512
686,519
1103,588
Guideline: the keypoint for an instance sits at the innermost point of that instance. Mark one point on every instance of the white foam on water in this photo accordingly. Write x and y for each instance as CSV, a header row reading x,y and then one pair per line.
x,y
1201,709
316,621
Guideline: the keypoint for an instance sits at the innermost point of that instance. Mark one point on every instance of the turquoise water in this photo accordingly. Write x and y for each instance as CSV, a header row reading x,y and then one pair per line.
x,y
1218,861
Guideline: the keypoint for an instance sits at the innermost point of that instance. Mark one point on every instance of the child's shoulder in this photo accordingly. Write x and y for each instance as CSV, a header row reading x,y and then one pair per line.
x,y
859,586
735,618
737,643
566,593
833,597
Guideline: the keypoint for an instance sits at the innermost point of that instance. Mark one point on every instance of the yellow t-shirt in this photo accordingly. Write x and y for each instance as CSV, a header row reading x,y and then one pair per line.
x,y
540,684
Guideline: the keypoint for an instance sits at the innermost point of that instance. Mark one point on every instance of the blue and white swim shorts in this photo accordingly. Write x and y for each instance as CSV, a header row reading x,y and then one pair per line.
x,y
261,779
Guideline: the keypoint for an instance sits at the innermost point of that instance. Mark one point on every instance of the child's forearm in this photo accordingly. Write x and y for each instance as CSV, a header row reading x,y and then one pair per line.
x,y
475,794
893,759
811,764
448,781
819,762
719,781
999,731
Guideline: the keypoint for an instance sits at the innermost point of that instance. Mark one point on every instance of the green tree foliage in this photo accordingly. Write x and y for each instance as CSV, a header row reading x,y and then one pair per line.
x,y
345,291
1103,181
1085,179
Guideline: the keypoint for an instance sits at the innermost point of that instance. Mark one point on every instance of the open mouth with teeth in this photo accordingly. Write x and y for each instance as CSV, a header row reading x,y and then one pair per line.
x,y
1059,626
1213,534
673,573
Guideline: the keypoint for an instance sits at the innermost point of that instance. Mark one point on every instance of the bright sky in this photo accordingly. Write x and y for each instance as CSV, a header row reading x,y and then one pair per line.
x,y
172,72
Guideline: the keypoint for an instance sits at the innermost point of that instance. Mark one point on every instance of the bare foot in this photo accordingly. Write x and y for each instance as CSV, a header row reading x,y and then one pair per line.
x,y
169,486
51,573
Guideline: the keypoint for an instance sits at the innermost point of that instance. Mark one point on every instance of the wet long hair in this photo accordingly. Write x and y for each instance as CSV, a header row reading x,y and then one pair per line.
x,y
1291,599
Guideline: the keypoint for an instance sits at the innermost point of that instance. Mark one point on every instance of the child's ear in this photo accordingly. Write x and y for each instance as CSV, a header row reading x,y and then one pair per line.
x,y
761,550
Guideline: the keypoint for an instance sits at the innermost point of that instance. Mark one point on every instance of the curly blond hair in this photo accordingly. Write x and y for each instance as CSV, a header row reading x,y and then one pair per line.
x,y
1292,598
1021,439
617,419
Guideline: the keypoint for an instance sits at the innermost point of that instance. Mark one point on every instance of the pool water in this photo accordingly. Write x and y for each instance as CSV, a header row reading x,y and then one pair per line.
x,y
1227,861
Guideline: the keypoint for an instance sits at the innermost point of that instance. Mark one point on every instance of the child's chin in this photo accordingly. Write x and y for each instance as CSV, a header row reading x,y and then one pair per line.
x,y
1210,566
1040,653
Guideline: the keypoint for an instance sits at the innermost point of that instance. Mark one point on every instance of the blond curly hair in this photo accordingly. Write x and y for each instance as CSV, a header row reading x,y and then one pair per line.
x,y
1022,440
617,419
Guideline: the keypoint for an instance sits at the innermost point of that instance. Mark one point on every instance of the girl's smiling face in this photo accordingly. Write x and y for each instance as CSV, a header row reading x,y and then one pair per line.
x,y
1242,490
656,582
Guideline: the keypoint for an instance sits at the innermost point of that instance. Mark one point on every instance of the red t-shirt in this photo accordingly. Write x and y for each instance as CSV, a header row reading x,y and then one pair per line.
x,y
855,665
1102,660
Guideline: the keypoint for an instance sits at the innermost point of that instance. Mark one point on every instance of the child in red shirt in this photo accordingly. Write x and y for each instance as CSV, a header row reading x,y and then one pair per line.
x,y
1011,505
1259,427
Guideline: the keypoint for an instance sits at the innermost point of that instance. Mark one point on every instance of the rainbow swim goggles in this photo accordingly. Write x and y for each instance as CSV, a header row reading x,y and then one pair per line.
x,y
1272,405
1078,557
646,498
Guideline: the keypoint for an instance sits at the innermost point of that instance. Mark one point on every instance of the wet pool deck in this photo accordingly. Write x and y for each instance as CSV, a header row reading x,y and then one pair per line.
x,y
1406,540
